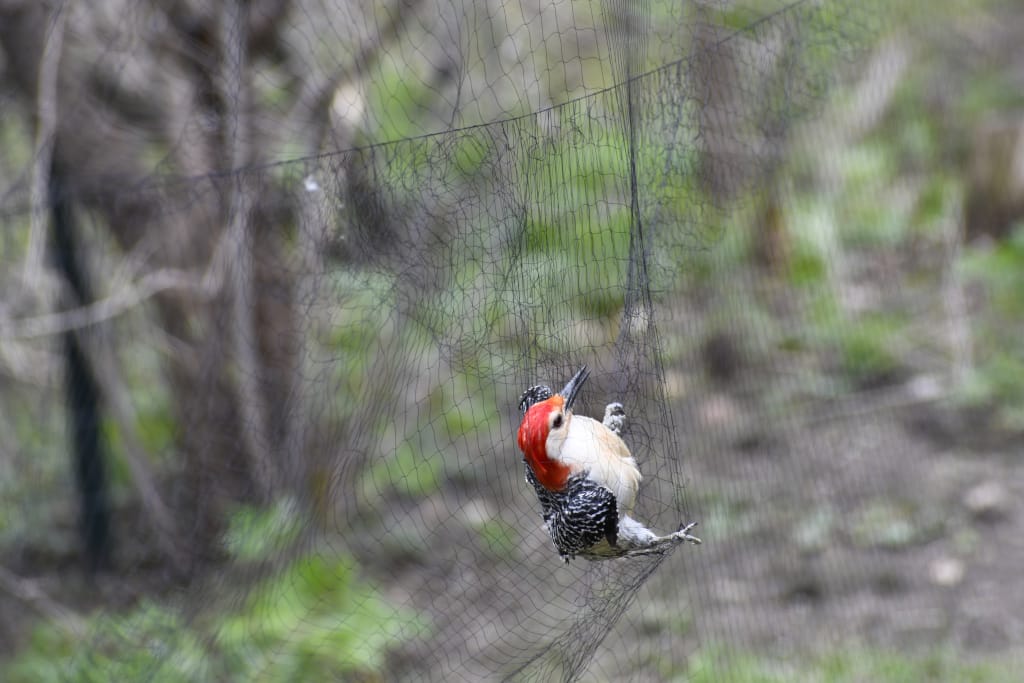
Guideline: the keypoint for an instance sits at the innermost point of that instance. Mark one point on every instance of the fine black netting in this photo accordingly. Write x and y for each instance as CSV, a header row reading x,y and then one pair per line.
x,y
329,245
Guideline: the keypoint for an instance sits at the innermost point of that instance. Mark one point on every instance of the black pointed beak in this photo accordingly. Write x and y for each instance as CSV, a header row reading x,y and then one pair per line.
x,y
573,386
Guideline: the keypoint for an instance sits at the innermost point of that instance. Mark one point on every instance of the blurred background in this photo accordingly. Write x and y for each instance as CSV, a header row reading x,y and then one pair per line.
x,y
274,274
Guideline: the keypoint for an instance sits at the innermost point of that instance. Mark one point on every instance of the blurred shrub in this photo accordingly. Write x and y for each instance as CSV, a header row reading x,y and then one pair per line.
x,y
315,620
149,643
998,378
407,472
255,534
867,348
851,665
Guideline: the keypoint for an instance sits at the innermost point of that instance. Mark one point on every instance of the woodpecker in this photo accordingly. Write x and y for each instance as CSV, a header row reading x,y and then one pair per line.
x,y
585,477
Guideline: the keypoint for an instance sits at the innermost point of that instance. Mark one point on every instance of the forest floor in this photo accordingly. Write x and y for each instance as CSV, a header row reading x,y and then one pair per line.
x,y
885,523
889,525
883,520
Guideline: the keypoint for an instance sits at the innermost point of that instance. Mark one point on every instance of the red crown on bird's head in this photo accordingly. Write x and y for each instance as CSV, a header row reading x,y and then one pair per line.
x,y
533,430
537,403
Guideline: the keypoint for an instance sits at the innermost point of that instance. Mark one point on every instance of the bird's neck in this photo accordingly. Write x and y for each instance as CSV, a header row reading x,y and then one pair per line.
x,y
551,474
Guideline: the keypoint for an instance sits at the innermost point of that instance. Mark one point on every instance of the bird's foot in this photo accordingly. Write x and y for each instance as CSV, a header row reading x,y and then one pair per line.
x,y
656,545
615,417
683,535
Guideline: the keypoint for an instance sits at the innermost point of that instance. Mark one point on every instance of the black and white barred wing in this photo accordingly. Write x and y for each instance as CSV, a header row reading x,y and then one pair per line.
x,y
581,516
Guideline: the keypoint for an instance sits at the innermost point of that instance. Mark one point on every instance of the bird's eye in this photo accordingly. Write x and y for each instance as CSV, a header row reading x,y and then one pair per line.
x,y
557,421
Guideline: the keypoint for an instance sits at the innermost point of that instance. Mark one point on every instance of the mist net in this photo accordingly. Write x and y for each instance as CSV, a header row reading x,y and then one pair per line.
x,y
333,242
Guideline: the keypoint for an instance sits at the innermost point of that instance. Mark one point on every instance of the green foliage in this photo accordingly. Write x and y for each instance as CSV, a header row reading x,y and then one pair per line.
x,y
867,168
998,378
461,419
255,534
469,154
807,268
894,524
847,665
408,471
867,348
579,253
996,92
498,537
361,325
16,143
723,517
156,426
315,621
997,383
814,532
397,101
148,643
716,666
38,464
155,423
468,404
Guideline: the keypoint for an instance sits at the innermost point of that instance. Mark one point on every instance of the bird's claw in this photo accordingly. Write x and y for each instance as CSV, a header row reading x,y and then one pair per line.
x,y
684,534
615,417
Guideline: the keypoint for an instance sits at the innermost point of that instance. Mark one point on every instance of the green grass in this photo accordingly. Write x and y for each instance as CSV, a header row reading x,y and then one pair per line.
x,y
408,472
499,538
997,380
853,665
148,643
318,619
255,534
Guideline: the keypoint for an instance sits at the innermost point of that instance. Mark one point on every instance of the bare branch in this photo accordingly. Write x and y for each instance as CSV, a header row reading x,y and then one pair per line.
x,y
28,362
46,109
239,234
31,595
314,212
313,104
105,309
954,300
158,516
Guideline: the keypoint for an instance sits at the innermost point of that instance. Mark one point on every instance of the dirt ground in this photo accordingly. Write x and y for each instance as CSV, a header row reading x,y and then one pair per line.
x,y
887,519
882,521
884,524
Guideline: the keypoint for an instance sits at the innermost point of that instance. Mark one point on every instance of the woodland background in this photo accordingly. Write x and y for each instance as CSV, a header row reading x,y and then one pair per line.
x,y
282,441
